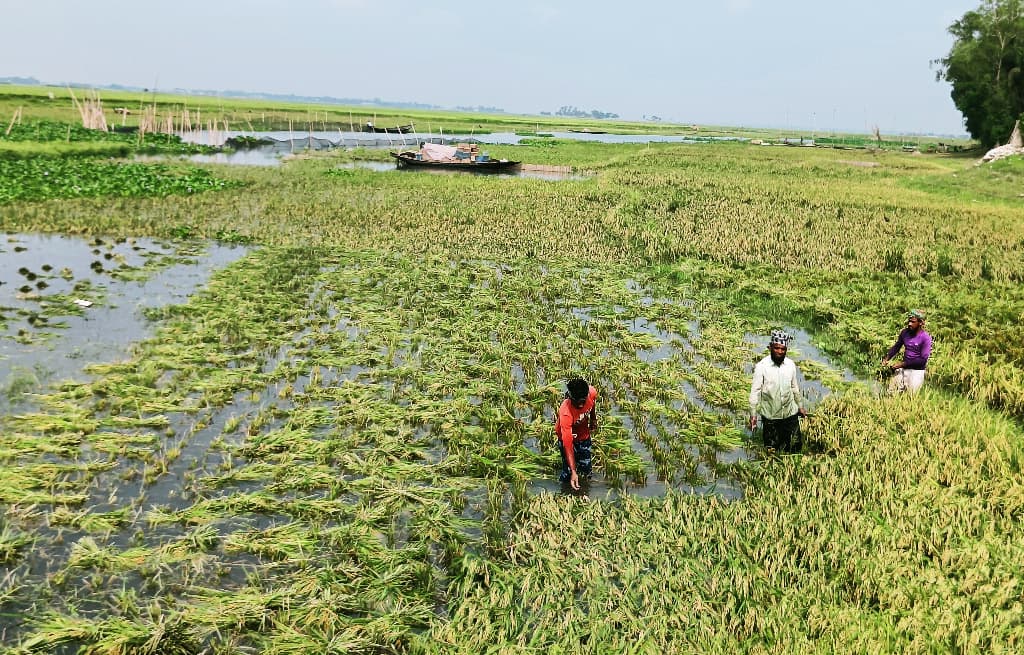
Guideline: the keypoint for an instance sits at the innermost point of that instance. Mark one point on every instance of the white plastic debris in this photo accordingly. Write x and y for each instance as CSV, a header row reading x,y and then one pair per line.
x,y
82,303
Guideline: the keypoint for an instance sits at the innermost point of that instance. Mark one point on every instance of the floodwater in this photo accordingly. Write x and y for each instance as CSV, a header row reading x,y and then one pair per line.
x,y
320,140
46,336
67,301
801,349
672,346
282,143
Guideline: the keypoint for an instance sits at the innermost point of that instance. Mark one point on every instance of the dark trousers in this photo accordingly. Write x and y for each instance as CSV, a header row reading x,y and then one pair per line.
x,y
581,450
782,434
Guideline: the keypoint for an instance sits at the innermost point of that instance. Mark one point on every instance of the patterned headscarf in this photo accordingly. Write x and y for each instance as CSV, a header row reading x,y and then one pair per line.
x,y
916,313
781,337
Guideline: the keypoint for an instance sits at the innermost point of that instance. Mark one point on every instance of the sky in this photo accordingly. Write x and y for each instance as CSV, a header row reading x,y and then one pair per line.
x,y
787,64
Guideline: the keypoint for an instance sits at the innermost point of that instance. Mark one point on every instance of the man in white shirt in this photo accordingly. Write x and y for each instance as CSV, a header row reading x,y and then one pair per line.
x,y
775,397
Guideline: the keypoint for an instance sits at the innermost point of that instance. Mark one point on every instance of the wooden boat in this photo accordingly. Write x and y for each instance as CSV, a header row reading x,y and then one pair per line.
x,y
398,129
408,159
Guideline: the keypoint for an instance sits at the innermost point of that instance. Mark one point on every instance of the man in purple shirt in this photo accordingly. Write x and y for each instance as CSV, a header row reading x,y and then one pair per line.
x,y
917,347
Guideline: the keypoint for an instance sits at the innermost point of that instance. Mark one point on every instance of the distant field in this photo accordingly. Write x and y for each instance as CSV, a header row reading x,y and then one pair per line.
x,y
55,103
341,440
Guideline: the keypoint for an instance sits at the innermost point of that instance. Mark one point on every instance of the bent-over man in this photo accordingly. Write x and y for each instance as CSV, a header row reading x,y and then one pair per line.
x,y
577,417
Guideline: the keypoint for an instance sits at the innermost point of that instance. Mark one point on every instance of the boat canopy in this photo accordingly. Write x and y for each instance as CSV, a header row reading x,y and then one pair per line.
x,y
437,152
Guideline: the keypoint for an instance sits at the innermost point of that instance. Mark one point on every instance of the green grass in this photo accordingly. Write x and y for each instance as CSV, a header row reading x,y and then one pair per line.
x,y
997,181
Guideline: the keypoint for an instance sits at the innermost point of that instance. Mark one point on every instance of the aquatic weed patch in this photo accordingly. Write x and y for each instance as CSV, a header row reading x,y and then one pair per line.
x,y
54,133
46,178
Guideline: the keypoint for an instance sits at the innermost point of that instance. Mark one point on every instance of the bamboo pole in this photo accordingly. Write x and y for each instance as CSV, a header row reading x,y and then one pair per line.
x,y
15,117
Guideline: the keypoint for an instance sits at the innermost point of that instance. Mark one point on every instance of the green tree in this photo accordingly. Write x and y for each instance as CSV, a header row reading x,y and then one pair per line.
x,y
985,66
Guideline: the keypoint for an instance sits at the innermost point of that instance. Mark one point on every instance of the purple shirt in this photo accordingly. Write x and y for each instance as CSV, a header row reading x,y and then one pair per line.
x,y
917,347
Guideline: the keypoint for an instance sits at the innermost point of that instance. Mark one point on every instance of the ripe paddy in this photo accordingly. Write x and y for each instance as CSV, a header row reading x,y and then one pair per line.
x,y
337,443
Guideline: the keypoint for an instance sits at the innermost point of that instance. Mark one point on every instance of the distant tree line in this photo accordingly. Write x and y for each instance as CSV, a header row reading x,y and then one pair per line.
x,y
26,81
986,69
573,112
482,109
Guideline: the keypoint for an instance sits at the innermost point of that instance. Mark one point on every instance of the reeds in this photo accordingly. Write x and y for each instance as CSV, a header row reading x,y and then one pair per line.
x,y
90,110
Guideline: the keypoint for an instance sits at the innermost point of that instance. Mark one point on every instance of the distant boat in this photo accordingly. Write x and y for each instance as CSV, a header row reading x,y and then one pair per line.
x,y
398,129
479,164
588,131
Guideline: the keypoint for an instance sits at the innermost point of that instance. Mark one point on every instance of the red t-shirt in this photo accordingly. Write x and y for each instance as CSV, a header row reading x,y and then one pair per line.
x,y
574,424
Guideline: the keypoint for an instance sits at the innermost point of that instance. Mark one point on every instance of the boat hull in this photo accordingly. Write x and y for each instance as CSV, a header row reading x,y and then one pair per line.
x,y
398,129
405,160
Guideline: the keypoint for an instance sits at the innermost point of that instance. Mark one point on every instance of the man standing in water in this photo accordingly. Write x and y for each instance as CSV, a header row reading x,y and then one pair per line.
x,y
917,348
775,397
577,417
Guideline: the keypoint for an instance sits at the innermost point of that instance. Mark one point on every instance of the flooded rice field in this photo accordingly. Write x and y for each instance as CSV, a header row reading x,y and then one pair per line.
x,y
67,301
206,423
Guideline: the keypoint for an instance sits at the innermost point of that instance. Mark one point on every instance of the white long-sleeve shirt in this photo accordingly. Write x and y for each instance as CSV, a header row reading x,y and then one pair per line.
x,y
774,392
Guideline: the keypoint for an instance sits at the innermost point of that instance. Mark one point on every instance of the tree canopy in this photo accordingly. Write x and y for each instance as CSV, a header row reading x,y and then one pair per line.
x,y
986,68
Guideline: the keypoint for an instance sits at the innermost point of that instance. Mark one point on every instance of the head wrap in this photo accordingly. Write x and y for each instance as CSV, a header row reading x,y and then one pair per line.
x,y
781,337
916,313
577,390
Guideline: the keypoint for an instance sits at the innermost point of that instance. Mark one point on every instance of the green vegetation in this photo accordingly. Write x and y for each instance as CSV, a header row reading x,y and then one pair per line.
x,y
341,443
983,67
59,134
43,178
40,160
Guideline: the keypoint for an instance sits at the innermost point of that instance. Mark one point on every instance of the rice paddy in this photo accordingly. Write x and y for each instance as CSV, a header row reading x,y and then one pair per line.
x,y
338,437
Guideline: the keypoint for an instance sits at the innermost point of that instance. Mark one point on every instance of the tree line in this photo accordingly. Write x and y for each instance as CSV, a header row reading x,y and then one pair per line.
x,y
985,67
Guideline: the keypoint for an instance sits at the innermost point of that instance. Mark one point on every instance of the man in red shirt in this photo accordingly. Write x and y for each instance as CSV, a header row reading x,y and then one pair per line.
x,y
577,416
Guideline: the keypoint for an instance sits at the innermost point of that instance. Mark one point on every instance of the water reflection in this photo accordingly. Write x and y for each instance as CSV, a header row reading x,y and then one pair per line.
x,y
45,335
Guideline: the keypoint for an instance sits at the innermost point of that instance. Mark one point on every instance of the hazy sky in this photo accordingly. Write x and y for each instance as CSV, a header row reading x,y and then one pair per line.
x,y
779,63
